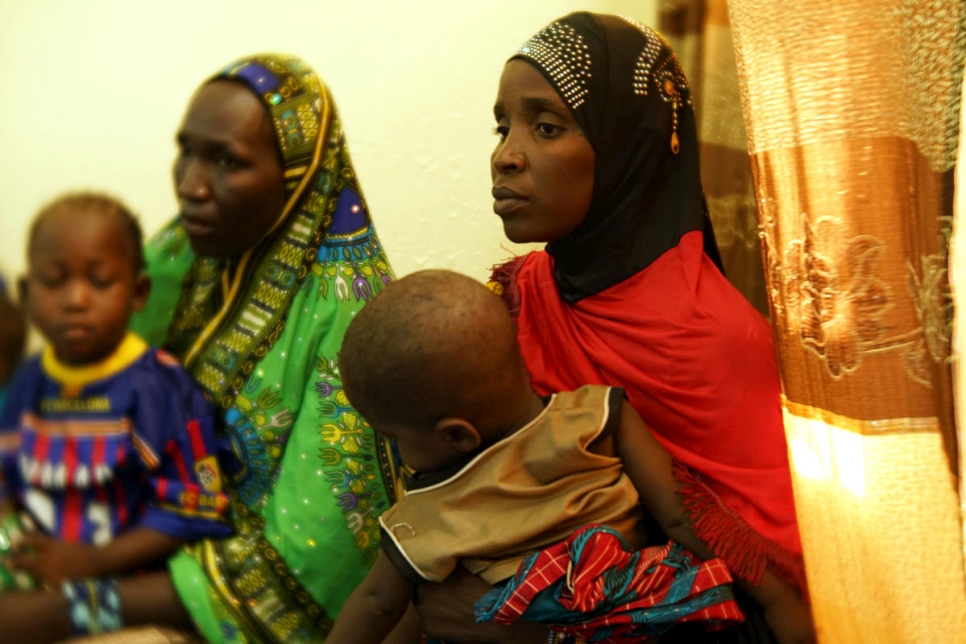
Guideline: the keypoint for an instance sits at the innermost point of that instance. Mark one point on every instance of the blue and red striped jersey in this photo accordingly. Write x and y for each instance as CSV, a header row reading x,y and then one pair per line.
x,y
93,451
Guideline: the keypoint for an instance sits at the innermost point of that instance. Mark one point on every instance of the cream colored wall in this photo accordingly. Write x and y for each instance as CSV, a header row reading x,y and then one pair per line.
x,y
91,92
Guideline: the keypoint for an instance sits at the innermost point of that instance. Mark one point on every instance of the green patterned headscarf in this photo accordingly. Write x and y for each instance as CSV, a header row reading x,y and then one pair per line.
x,y
261,336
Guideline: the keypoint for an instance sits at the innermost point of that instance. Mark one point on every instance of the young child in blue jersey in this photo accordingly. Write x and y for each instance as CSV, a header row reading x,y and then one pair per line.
x,y
105,443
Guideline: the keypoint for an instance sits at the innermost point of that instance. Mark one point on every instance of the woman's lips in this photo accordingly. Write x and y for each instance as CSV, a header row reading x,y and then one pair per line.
x,y
197,227
506,201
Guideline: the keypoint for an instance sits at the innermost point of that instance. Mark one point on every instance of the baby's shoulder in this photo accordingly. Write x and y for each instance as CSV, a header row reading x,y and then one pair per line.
x,y
159,370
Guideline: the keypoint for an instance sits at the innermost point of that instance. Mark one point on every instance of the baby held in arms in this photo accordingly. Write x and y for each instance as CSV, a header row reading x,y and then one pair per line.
x,y
543,498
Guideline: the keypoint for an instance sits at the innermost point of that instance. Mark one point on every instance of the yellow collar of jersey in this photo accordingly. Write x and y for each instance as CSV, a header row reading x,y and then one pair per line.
x,y
130,349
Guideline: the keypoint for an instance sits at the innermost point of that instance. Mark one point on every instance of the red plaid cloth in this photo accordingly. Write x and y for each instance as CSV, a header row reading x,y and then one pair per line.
x,y
592,585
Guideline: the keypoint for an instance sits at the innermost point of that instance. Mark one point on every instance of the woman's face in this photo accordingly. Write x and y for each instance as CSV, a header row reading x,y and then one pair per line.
x,y
543,166
227,176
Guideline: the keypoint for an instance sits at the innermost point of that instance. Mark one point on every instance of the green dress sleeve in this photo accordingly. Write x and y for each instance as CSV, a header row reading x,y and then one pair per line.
x,y
313,483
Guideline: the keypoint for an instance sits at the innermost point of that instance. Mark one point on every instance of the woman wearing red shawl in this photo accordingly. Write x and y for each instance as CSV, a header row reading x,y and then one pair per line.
x,y
630,291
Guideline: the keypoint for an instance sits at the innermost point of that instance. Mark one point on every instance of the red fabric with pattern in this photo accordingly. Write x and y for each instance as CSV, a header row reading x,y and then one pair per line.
x,y
698,363
578,566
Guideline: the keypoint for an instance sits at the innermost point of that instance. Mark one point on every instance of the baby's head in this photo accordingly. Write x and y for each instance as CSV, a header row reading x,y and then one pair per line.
x,y
432,361
84,275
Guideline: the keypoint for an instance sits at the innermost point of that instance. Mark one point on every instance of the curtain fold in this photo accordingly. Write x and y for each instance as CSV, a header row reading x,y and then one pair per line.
x,y
700,33
957,271
852,117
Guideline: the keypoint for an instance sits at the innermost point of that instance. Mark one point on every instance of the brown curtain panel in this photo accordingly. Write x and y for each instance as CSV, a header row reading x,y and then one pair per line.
x,y
701,36
957,271
852,114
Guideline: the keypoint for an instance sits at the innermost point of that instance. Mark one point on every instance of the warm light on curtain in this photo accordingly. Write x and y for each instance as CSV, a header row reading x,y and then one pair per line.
x,y
852,113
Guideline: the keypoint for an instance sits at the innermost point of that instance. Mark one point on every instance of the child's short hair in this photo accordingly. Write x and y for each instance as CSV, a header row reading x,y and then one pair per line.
x,y
435,344
87,201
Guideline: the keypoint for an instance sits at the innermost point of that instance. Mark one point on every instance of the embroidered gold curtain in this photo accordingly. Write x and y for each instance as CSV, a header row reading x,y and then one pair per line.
x,y
852,114
957,272
701,36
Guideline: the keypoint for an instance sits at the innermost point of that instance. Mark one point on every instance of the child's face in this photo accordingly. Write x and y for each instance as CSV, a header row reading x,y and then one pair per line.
x,y
81,285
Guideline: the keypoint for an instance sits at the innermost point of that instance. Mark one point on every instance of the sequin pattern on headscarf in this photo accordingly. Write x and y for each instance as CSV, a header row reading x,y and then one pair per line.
x,y
626,90
562,53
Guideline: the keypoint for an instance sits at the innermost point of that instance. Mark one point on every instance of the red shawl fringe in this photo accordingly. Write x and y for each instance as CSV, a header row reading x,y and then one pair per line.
x,y
746,552
503,282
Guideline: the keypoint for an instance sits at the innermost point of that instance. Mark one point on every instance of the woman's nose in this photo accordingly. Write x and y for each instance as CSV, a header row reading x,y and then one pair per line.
x,y
509,157
193,181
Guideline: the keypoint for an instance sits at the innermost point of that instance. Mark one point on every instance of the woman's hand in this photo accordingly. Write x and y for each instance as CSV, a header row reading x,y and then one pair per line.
x,y
791,621
446,609
53,561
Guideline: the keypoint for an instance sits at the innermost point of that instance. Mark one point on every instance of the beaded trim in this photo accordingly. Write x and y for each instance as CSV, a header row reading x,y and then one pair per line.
x,y
668,76
564,56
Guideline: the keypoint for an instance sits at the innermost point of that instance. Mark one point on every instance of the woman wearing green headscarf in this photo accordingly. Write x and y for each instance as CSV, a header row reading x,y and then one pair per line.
x,y
254,283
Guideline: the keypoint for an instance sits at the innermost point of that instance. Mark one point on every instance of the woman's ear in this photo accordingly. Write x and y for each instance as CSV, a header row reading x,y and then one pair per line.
x,y
459,433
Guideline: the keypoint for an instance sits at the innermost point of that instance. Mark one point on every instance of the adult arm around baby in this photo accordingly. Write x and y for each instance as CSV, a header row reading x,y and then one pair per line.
x,y
650,468
375,607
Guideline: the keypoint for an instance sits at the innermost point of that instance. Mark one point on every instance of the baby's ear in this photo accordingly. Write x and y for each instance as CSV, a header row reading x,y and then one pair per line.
x,y
459,433
142,289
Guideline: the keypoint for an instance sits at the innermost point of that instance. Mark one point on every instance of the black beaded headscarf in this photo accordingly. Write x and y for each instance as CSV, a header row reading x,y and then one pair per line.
x,y
626,90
